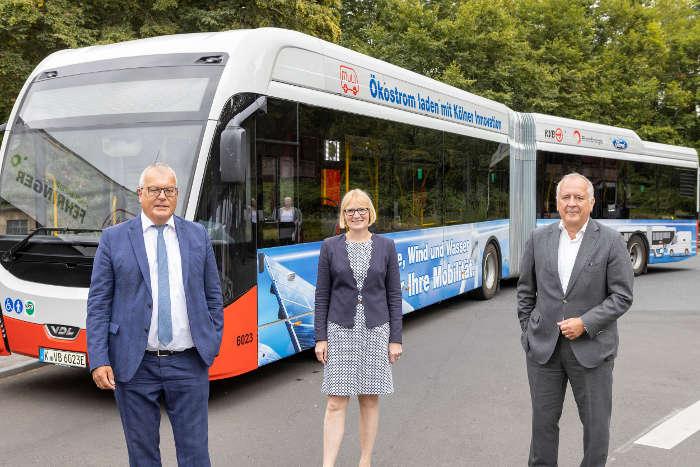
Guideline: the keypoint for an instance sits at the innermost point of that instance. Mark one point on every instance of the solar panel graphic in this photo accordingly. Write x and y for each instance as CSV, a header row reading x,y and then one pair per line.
x,y
295,297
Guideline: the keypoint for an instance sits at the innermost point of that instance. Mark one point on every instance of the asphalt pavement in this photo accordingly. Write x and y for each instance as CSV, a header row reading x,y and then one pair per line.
x,y
462,397
15,364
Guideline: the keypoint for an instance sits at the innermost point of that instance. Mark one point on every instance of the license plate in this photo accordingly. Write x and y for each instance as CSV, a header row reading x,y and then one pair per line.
x,y
62,357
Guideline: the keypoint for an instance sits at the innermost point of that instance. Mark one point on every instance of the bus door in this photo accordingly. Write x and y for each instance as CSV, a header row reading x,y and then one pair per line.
x,y
418,185
4,345
282,218
285,296
276,148
606,201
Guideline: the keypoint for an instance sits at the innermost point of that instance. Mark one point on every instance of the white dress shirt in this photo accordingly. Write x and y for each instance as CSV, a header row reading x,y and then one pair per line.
x,y
182,338
568,250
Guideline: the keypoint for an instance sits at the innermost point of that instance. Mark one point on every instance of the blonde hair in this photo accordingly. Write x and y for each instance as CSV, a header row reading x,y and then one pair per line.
x,y
360,196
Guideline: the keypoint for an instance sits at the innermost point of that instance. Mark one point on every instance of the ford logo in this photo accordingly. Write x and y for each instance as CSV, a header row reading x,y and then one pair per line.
x,y
619,143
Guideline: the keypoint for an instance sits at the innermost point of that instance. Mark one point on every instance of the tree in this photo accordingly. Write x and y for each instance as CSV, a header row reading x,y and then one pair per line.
x,y
32,29
622,62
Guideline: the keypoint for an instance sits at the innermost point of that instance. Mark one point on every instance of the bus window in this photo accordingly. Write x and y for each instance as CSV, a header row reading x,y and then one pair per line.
x,y
339,152
320,181
416,176
476,180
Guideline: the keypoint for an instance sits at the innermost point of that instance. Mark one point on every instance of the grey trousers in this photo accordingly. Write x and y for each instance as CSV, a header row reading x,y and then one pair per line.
x,y
592,388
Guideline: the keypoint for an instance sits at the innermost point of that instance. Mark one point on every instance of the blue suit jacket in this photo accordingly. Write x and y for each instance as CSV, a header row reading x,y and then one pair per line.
x,y
120,302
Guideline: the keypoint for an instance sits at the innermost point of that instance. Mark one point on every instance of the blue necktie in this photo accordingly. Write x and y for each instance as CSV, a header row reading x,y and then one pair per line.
x,y
165,322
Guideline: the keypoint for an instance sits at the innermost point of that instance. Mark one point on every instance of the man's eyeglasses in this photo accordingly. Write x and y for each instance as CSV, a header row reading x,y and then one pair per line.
x,y
154,191
361,211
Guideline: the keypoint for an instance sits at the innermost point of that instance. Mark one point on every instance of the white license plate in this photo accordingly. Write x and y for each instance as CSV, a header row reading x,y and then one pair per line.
x,y
62,357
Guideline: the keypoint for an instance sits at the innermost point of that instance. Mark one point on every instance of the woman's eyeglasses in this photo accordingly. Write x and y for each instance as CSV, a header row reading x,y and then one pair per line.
x,y
352,211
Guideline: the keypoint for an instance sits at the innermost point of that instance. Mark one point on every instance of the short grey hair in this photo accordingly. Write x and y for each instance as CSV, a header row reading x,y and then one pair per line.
x,y
577,175
160,165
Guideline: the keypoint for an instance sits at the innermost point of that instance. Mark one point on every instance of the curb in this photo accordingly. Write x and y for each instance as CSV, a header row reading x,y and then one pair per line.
x,y
19,368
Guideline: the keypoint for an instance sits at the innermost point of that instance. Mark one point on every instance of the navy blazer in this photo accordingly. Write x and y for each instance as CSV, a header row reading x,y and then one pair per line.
x,y
119,302
337,294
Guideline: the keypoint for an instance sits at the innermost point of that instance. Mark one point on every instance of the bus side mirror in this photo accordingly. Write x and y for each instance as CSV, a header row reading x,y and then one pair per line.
x,y
234,154
234,150
3,126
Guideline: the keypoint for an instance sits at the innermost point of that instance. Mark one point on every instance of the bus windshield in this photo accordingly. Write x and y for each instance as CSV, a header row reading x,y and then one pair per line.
x,y
79,144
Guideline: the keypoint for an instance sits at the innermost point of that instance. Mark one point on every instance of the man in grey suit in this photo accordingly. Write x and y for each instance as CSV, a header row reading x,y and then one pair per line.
x,y
575,282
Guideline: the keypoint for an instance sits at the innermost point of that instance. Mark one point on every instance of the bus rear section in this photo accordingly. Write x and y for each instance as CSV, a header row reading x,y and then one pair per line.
x,y
646,191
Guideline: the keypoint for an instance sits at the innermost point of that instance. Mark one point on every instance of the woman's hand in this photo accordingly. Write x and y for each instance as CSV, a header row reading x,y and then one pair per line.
x,y
395,351
322,351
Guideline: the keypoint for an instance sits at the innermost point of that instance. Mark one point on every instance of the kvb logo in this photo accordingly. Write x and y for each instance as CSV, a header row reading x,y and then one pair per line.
x,y
557,135
348,80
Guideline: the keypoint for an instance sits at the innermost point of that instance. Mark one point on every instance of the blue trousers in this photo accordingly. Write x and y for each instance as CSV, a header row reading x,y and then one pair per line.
x,y
181,383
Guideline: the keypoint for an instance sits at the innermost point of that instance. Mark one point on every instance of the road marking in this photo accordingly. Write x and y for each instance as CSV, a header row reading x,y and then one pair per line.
x,y
630,444
674,430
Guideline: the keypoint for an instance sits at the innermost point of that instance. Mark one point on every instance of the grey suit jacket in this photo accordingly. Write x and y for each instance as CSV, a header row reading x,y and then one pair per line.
x,y
337,294
599,291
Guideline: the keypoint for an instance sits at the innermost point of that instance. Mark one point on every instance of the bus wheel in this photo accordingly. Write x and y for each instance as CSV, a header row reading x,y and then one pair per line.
x,y
638,254
490,273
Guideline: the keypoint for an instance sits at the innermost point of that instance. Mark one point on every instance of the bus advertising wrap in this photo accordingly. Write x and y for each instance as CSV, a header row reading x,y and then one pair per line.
x,y
435,264
668,241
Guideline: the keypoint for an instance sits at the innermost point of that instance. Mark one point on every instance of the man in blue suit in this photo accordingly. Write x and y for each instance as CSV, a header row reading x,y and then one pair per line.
x,y
154,322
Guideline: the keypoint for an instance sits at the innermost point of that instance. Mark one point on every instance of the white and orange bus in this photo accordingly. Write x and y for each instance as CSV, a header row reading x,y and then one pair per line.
x,y
248,118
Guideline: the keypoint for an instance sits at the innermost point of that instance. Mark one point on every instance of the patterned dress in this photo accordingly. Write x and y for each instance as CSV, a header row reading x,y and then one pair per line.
x,y
358,358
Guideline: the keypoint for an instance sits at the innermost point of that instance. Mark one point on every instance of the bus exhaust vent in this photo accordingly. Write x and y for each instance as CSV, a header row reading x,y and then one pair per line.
x,y
210,59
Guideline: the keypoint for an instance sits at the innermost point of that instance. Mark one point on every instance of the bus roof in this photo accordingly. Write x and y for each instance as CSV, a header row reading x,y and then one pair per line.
x,y
565,135
293,65
270,60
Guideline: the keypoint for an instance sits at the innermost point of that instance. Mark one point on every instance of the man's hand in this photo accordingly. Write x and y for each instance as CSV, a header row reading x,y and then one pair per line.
x,y
103,376
322,351
571,328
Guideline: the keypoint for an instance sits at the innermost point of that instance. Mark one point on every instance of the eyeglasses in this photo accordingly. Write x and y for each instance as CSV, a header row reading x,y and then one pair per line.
x,y
361,211
154,191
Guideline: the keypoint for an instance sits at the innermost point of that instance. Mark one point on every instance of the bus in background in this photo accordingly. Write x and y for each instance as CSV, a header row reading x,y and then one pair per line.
x,y
647,191
267,129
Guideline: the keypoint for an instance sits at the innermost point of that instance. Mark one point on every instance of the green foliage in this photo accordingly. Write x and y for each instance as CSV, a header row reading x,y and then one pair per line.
x,y
32,29
618,62
623,62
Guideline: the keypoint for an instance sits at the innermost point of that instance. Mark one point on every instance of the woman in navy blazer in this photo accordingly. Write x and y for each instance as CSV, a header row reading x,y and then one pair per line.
x,y
357,323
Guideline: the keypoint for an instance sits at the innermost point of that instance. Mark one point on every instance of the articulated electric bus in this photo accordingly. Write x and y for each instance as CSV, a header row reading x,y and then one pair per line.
x,y
254,120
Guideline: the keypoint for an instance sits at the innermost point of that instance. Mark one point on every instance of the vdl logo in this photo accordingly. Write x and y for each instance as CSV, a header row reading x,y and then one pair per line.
x,y
619,143
18,306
